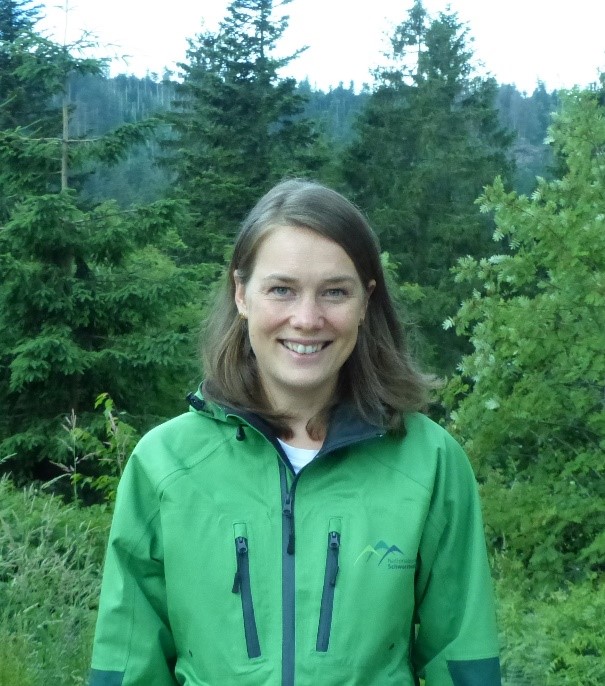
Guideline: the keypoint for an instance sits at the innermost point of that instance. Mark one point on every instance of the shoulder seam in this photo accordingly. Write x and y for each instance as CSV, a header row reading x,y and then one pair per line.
x,y
178,472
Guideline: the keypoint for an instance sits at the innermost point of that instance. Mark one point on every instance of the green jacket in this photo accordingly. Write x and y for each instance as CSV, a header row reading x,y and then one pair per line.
x,y
368,568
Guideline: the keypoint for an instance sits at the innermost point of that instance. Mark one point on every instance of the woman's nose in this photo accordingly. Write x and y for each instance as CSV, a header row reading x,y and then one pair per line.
x,y
307,314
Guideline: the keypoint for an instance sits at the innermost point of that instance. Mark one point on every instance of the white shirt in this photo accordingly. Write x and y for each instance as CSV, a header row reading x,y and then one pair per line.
x,y
299,457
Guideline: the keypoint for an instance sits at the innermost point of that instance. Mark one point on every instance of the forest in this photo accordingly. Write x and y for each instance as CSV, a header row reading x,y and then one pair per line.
x,y
119,200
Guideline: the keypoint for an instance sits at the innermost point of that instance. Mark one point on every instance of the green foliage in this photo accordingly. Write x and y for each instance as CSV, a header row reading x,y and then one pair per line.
x,y
101,104
528,403
34,72
89,298
537,322
334,112
23,101
97,457
427,142
236,125
112,148
554,638
50,562
89,303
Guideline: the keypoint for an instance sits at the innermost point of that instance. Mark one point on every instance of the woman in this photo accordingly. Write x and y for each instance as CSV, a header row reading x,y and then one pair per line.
x,y
303,523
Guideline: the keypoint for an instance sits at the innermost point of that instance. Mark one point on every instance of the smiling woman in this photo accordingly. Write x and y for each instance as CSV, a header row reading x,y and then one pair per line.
x,y
305,471
304,303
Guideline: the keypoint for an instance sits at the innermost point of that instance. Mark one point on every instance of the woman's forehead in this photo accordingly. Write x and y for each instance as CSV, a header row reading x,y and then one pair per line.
x,y
301,250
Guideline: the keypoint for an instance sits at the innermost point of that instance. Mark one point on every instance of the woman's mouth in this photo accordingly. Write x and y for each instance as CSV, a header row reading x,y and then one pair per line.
x,y
304,349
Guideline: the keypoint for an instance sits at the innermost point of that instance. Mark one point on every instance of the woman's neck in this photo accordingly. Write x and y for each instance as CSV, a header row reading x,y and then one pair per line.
x,y
301,409
300,437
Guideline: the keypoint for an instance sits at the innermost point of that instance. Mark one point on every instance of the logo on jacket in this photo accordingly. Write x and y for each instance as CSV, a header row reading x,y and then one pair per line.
x,y
391,555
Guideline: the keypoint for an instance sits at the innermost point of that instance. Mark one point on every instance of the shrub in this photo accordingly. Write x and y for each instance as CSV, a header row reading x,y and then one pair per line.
x,y
554,639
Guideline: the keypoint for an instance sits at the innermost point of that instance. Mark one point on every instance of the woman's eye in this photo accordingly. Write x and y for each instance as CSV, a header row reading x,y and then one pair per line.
x,y
335,293
280,290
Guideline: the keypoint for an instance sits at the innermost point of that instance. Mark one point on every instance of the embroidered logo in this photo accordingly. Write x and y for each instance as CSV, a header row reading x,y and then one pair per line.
x,y
391,555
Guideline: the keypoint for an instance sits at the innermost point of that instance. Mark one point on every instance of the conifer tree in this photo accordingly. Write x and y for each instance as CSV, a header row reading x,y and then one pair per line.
x,y
23,101
27,106
237,124
427,142
89,302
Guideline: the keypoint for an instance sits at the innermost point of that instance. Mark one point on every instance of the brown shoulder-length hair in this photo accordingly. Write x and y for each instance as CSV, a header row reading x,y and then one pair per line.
x,y
379,377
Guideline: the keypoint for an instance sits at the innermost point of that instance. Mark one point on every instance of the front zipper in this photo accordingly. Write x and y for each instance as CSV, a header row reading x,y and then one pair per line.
x,y
360,433
327,597
241,585
288,580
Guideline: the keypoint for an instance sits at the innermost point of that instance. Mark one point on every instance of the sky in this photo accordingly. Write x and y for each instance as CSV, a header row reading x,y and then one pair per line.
x,y
520,42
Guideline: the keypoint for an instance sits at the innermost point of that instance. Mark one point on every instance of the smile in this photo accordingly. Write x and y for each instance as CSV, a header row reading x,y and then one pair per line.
x,y
303,349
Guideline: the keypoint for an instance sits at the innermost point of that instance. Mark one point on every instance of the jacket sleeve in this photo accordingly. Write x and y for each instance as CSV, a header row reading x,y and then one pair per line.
x,y
133,642
456,640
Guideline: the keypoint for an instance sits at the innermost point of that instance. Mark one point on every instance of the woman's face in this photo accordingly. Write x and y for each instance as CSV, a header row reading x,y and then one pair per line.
x,y
304,302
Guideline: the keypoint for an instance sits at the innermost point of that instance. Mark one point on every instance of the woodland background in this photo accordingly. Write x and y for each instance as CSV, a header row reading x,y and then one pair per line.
x,y
119,198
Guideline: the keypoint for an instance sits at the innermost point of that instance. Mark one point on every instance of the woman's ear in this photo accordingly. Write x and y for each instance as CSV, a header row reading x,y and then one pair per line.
x,y
369,290
240,294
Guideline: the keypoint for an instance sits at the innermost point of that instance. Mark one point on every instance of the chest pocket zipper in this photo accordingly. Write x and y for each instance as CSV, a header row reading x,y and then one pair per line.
x,y
327,597
241,585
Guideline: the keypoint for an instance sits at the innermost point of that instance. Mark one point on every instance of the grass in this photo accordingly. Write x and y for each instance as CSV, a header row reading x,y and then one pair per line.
x,y
50,570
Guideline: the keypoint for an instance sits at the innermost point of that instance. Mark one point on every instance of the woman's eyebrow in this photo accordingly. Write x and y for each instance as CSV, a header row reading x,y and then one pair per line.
x,y
340,279
344,278
280,277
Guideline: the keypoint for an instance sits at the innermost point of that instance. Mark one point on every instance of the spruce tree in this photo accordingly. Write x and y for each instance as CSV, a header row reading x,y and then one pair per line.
x,y
23,101
427,142
237,125
28,103
89,301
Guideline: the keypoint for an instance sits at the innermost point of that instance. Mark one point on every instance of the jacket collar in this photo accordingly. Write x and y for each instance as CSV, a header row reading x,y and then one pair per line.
x,y
345,427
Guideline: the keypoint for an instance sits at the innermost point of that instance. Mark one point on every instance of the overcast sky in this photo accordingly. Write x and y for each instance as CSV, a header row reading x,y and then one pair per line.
x,y
560,42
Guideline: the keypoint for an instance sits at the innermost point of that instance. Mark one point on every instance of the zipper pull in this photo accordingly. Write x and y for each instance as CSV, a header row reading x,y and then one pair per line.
x,y
242,549
334,545
287,511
